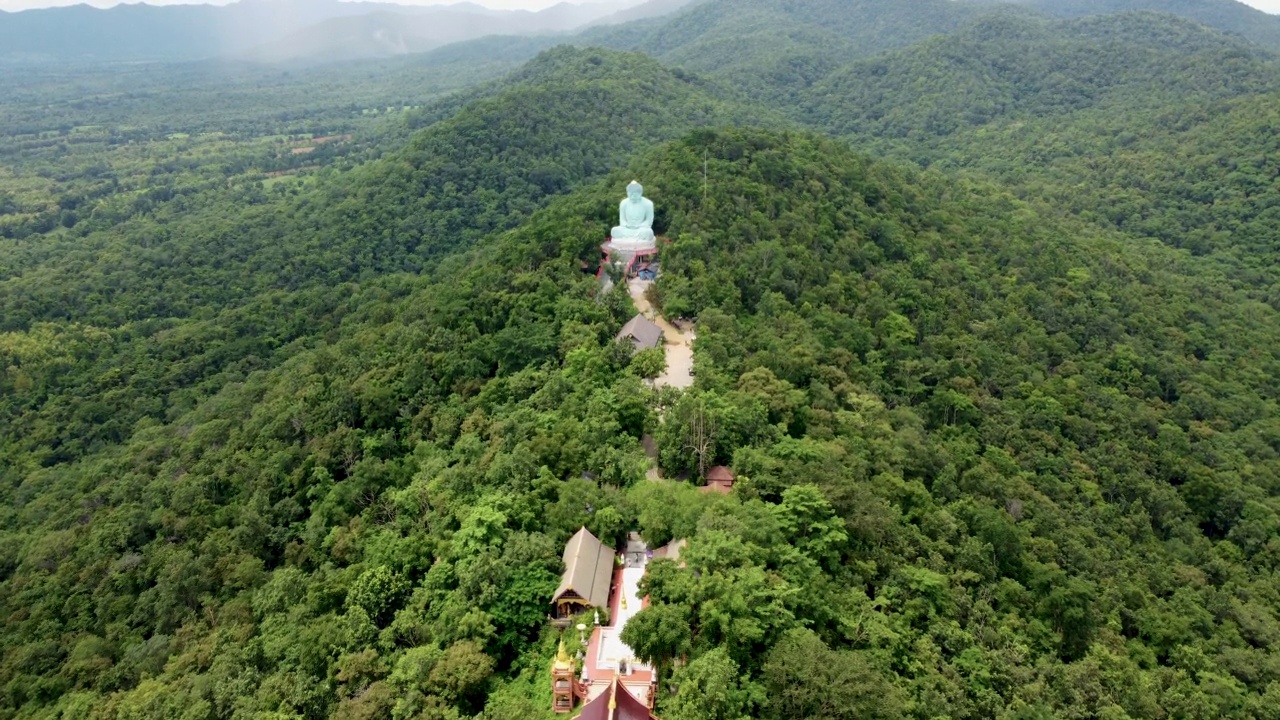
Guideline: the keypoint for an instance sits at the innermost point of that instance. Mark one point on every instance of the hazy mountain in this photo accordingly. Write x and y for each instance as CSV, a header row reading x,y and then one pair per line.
x,y
1013,65
271,29
762,45
739,32
386,33
650,9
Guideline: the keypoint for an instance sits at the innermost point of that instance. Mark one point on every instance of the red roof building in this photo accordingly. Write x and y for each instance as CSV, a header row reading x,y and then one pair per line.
x,y
719,479
616,703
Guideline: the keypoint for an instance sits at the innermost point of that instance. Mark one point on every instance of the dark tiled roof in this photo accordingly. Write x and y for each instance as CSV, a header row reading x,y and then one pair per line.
x,y
641,331
588,568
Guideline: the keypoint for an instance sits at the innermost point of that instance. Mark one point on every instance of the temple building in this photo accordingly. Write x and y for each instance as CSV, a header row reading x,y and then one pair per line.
x,y
642,333
719,479
616,703
588,571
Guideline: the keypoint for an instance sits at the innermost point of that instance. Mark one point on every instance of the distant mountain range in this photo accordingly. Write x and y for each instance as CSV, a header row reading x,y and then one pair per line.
x,y
1226,15
283,30
772,42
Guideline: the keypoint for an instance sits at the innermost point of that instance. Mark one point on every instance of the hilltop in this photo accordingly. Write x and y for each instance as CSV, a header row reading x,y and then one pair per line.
x,y
935,397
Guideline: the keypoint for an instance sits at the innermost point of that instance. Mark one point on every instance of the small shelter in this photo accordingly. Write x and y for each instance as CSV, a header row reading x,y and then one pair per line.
x,y
588,572
719,479
641,332
616,703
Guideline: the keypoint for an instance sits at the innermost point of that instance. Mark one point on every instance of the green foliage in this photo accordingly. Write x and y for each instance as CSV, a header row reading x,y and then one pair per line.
x,y
1143,123
1232,17
978,501
377,592
759,44
711,689
803,678
658,634
649,363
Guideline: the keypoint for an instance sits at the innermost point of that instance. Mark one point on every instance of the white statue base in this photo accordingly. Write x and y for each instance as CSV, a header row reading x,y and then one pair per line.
x,y
633,244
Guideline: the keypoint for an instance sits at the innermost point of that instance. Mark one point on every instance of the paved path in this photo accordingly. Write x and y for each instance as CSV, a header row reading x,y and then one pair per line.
x,y
606,653
679,372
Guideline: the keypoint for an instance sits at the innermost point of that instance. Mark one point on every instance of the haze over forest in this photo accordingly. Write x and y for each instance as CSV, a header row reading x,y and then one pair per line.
x,y
940,380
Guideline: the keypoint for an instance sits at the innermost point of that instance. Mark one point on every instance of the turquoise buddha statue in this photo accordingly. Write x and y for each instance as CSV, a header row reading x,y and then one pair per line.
x,y
635,221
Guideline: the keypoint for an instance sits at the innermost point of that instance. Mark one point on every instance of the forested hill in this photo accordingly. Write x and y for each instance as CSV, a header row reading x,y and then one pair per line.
x,y
776,41
1144,122
568,116
1003,412
1227,15
1009,65
195,289
995,363
981,474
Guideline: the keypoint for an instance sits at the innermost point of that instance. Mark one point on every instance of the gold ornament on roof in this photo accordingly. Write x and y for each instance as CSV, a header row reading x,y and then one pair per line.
x,y
563,661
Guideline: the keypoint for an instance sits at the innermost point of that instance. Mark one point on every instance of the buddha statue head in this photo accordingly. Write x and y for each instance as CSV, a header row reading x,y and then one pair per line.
x,y
635,191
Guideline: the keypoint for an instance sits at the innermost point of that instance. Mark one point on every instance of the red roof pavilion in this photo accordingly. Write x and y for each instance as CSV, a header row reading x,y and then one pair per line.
x,y
719,479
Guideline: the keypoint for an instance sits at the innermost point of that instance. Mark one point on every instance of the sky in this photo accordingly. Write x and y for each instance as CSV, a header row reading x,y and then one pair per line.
x,y
12,5
1271,6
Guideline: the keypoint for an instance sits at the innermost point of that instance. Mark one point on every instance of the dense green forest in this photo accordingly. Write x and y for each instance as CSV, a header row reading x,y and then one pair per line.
x,y
1233,17
303,385
1152,125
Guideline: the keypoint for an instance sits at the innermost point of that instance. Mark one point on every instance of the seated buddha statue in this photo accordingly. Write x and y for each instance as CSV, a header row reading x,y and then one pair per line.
x,y
635,221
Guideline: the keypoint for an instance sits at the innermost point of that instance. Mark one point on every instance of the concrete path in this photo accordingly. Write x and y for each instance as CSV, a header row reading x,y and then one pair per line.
x,y
679,372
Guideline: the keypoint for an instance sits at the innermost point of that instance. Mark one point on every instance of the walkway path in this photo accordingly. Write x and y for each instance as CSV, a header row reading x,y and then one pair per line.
x,y
606,655
679,372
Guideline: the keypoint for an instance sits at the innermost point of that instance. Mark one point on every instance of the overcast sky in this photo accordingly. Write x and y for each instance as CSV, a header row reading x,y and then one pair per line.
x,y
1271,6
507,4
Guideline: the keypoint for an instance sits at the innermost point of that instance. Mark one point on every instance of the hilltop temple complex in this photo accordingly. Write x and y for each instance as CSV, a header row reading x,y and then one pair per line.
x,y
599,677
605,669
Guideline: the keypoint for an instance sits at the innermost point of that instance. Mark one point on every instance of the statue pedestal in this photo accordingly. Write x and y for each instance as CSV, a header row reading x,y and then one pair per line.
x,y
627,253
633,244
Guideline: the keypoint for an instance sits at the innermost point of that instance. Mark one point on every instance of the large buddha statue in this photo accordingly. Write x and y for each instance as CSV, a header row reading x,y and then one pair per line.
x,y
635,221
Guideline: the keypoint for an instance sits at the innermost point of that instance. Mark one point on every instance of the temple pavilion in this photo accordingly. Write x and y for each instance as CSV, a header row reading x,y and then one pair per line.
x,y
588,573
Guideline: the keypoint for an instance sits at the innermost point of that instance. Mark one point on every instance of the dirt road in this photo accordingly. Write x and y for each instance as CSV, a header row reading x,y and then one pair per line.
x,y
679,373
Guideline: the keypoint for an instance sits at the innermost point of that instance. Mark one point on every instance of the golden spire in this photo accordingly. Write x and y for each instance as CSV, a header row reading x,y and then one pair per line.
x,y
613,694
563,661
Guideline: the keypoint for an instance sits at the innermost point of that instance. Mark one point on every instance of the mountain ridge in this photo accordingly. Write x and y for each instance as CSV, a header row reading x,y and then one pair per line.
x,y
263,29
